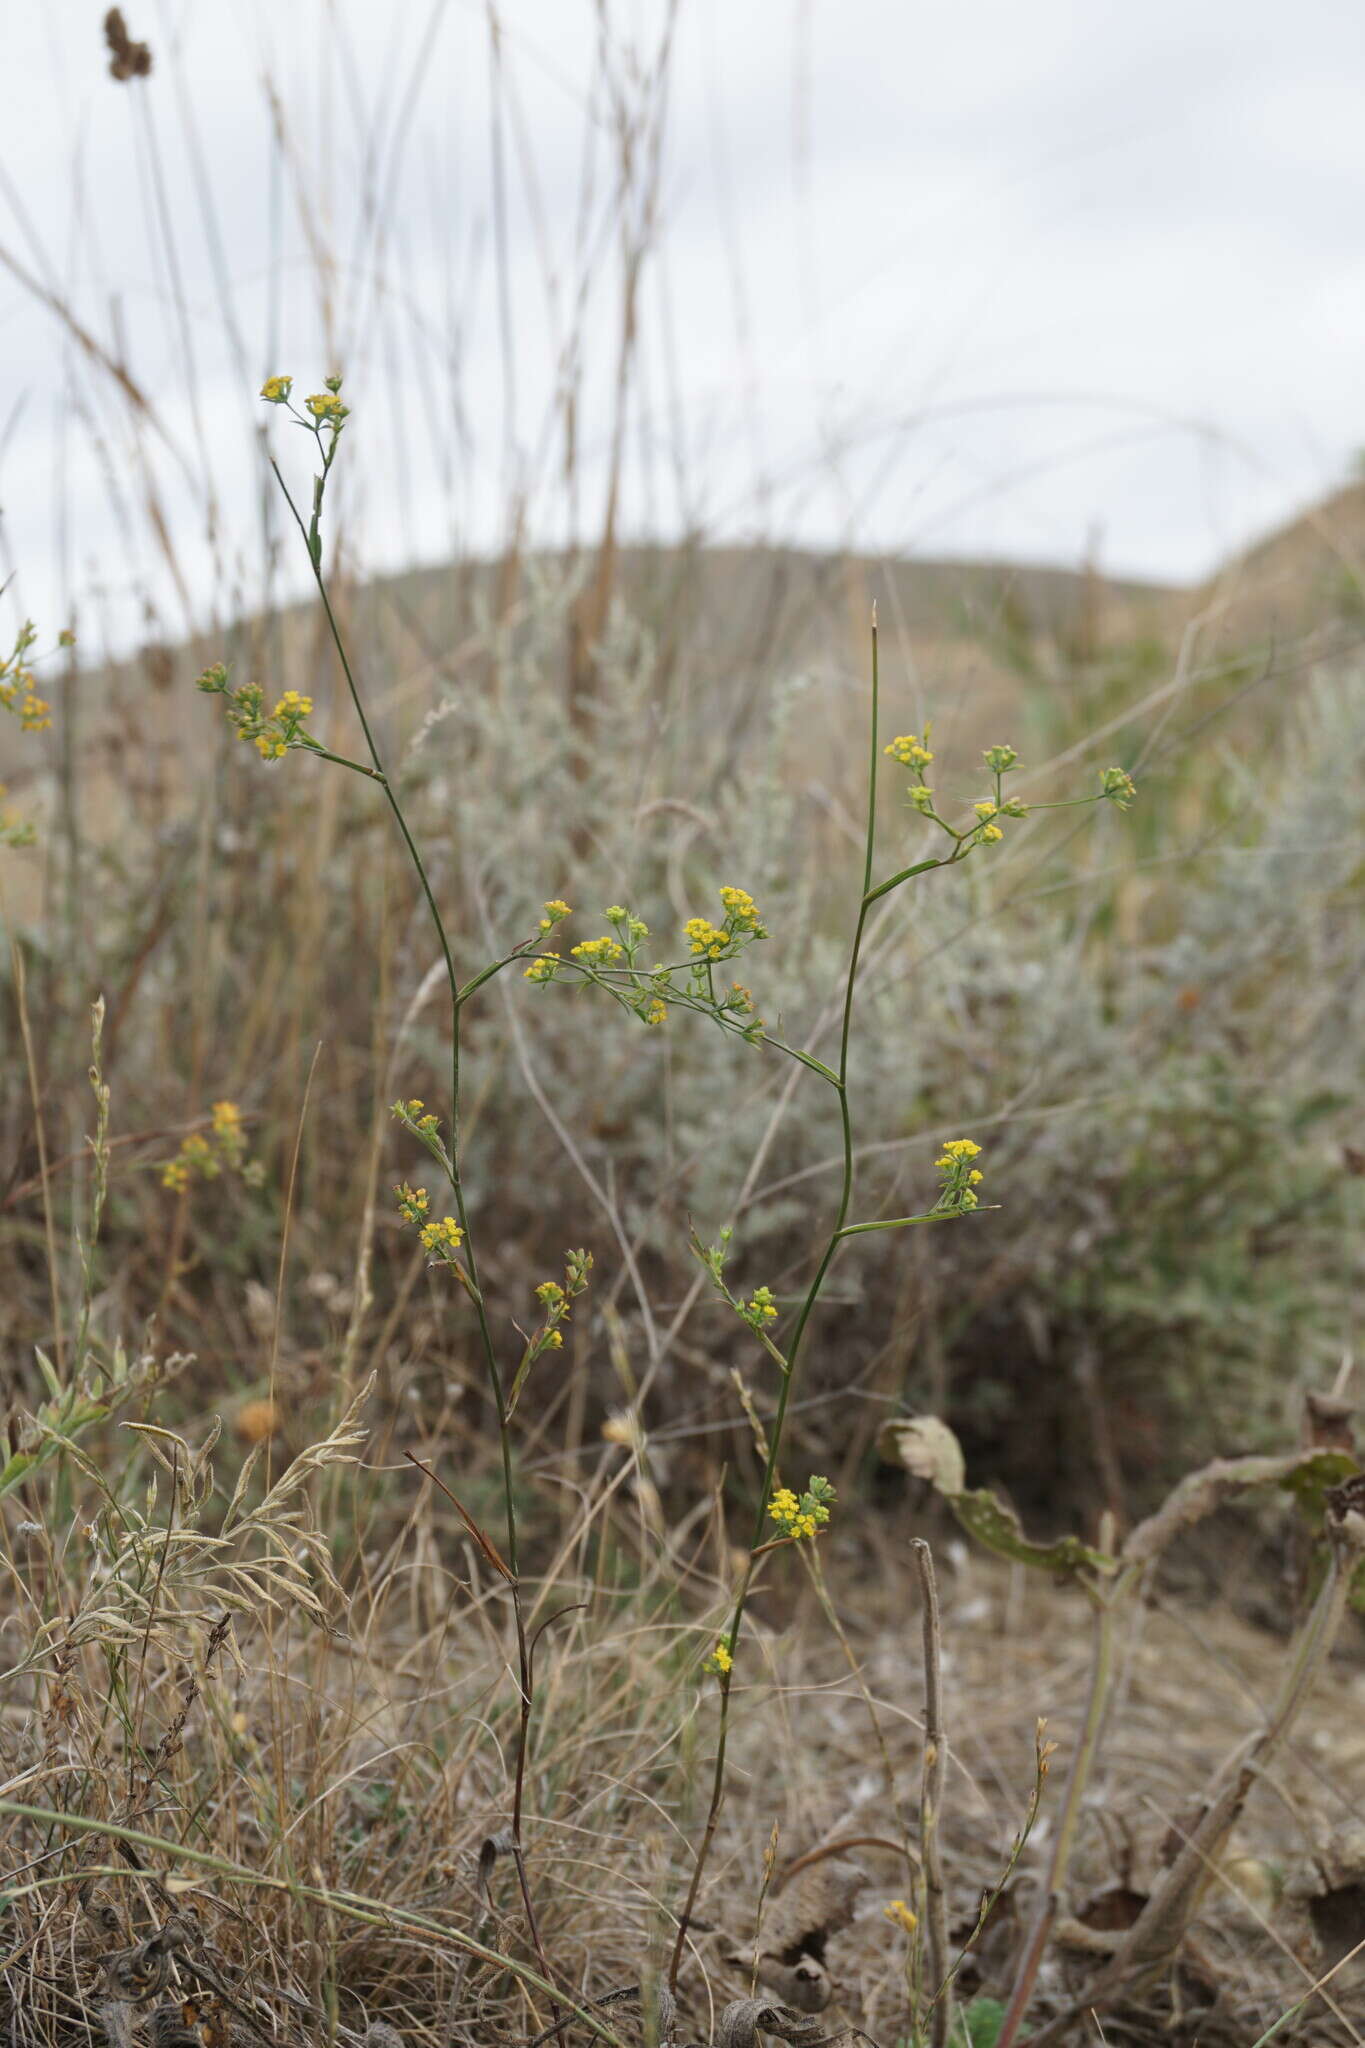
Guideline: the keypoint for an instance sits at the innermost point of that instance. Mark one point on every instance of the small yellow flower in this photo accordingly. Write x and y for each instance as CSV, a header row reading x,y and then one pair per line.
x,y
543,969
991,833
721,1659
657,1013
760,1307
900,1914
294,705
910,751
598,952
227,1119
324,405
556,910
985,810
741,909
276,389
443,1236
706,938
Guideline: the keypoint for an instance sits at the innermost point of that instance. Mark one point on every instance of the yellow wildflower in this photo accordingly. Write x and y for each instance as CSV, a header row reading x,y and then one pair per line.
x,y
275,390
598,952
898,1912
443,1236
958,1148
706,938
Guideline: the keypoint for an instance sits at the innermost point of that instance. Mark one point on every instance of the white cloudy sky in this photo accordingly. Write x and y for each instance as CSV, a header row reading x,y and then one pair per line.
x,y
987,278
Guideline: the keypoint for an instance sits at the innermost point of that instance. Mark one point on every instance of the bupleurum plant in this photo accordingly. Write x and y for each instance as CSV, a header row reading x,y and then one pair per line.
x,y
692,977
19,697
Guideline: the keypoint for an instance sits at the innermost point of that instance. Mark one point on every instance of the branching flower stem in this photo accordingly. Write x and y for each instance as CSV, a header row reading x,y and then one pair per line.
x,y
458,997
840,1230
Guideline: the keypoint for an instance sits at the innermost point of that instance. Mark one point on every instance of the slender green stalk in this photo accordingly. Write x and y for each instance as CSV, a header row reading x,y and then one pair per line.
x,y
458,995
840,1229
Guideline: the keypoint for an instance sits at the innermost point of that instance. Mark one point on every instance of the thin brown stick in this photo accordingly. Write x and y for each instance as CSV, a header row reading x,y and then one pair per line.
x,y
931,1802
49,1228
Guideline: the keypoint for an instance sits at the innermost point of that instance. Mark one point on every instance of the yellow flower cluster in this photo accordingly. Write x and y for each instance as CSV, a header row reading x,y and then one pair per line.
x,y
741,911
910,750
443,1237
556,910
597,952
655,1012
17,691
412,1202
17,694
742,923
706,938
556,1303
721,1661
760,1309
411,1112
543,968
785,1509
1118,786
324,408
799,1516
271,733
900,1914
960,1178
204,1156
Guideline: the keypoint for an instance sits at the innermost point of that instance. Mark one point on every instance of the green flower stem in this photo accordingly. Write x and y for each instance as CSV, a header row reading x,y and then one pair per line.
x,y
311,746
903,1222
839,1081
524,1681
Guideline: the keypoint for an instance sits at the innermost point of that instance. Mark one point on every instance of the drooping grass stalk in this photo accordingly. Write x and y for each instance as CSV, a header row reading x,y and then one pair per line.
x,y
378,772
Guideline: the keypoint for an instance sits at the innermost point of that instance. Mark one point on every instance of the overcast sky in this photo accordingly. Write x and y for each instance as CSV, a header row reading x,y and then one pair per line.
x,y
987,278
